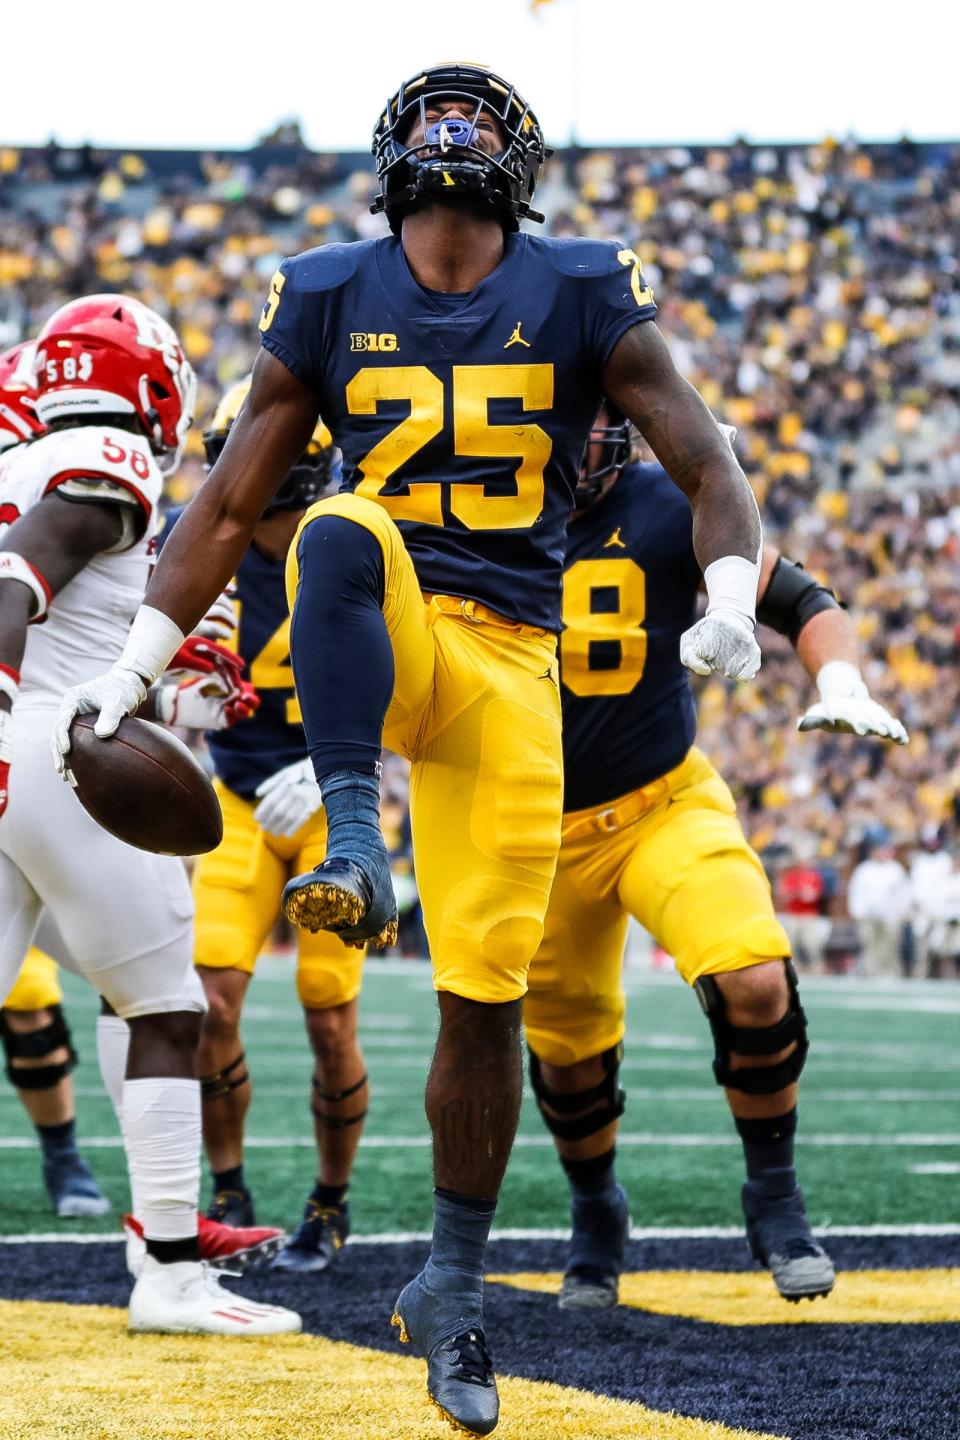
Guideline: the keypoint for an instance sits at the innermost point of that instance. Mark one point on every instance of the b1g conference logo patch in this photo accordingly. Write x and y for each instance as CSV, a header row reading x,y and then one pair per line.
x,y
368,342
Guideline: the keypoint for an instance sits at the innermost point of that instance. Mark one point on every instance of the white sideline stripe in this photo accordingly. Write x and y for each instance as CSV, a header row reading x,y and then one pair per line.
x,y
637,1232
642,1139
936,1167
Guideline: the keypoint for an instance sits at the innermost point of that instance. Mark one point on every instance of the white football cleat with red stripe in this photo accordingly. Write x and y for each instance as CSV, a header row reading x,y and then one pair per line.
x,y
186,1298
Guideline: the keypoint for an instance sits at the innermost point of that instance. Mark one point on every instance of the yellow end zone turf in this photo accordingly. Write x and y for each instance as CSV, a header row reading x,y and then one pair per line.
x,y
861,1297
71,1372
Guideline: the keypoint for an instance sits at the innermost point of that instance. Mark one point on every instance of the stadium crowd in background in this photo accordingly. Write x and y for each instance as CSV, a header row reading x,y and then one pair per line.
x,y
811,294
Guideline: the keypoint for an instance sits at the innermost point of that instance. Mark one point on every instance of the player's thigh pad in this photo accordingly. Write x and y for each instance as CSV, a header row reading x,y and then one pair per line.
x,y
408,617
696,885
125,916
575,1005
37,986
236,890
328,972
486,799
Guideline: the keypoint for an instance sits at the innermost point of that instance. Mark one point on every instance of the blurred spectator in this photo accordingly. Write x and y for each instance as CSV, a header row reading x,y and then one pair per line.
x,y
879,901
931,874
803,893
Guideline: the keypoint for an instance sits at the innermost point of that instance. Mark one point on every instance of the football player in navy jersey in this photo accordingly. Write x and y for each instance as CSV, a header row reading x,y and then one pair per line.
x,y
273,827
650,830
459,365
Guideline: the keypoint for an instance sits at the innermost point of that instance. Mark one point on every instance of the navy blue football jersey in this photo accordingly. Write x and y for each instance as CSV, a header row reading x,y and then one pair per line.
x,y
252,750
629,592
465,416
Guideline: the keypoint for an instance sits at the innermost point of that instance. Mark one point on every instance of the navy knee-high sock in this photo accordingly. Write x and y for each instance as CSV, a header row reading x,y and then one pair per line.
x,y
339,646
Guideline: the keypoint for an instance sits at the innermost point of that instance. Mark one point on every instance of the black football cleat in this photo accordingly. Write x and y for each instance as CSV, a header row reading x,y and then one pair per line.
x,y
779,1236
460,1378
339,896
601,1228
320,1235
232,1207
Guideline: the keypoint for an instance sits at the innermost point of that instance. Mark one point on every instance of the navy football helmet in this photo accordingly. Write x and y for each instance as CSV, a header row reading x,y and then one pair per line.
x,y
448,163
305,483
615,441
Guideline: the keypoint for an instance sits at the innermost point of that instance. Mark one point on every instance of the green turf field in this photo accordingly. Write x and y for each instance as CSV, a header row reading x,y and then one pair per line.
x,y
880,1112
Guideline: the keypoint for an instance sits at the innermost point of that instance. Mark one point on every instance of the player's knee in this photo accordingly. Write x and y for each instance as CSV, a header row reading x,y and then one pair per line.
x,y
756,1059
332,1031
221,1023
37,1046
340,560
757,995
573,1110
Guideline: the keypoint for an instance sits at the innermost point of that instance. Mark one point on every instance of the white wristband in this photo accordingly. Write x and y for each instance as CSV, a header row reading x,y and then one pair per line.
x,y
732,583
153,641
6,736
840,677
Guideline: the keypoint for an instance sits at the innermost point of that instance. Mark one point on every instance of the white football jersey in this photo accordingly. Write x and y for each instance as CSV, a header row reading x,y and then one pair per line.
x,y
88,621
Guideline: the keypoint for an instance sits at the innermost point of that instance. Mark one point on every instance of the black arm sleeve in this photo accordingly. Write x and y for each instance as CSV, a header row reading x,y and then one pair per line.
x,y
792,598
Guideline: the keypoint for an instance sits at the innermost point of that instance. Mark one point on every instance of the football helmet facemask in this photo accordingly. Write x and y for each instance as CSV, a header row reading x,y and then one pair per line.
x,y
304,483
610,445
18,415
112,355
448,164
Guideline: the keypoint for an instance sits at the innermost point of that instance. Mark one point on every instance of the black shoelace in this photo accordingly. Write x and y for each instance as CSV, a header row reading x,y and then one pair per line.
x,y
475,1364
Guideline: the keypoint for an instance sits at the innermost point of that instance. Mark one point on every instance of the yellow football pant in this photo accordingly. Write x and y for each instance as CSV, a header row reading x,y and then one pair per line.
x,y
237,889
674,857
37,985
476,710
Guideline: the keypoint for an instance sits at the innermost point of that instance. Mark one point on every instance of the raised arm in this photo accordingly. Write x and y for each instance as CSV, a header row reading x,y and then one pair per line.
x,y
641,378
794,604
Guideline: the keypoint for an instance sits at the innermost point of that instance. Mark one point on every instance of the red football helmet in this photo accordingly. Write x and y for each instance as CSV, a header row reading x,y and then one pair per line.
x,y
18,416
112,355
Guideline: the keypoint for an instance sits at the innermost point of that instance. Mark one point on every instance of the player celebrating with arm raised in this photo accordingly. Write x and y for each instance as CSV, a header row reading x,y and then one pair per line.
x,y
459,366
650,830
78,516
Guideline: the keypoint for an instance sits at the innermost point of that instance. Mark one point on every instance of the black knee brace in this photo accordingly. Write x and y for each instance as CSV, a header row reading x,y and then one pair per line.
x,y
215,1086
755,1040
333,1097
33,1045
604,1102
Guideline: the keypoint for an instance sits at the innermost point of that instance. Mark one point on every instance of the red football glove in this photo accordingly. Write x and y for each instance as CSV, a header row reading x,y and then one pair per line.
x,y
208,657
206,703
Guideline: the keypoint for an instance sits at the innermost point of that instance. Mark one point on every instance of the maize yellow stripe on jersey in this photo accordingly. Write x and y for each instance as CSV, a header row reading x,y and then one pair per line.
x,y
861,1297
71,1372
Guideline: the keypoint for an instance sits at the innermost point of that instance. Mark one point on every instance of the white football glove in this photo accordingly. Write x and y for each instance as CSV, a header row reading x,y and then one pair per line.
x,y
220,621
723,643
204,703
117,693
288,799
845,706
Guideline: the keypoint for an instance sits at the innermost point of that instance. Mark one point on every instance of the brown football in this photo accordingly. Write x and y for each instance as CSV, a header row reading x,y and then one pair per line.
x,y
145,787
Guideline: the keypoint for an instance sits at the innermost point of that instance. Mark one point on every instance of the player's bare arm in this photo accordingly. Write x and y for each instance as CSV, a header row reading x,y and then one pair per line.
x,y
54,541
641,378
41,553
643,381
792,602
270,433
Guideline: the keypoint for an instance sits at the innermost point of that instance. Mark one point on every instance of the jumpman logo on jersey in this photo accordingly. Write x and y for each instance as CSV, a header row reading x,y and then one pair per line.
x,y
516,338
615,540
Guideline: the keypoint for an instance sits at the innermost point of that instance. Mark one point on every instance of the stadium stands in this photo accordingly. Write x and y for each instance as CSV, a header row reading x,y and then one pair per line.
x,y
812,295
